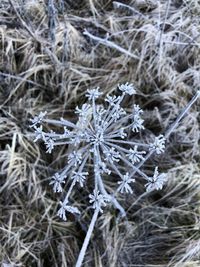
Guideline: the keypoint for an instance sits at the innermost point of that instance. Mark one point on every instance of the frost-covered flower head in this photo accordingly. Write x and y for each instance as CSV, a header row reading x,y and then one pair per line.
x,y
99,139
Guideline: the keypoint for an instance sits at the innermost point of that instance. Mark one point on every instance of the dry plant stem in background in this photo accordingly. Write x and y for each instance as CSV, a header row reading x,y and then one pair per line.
x,y
100,137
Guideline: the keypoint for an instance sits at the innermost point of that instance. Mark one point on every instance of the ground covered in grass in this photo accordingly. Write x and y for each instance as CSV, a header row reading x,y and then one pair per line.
x,y
51,52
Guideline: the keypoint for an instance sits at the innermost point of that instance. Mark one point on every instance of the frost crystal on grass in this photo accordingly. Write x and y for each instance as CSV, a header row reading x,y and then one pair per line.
x,y
98,147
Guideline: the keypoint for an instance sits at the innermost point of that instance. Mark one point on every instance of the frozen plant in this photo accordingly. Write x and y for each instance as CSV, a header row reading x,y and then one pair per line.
x,y
99,138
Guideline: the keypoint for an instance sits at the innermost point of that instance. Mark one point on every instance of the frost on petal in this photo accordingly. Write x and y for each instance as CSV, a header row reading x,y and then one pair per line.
x,y
61,212
159,144
127,88
157,181
124,186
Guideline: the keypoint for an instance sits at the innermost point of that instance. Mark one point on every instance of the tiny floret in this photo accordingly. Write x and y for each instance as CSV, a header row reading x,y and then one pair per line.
x,y
93,94
49,142
137,124
38,119
57,181
127,88
124,186
137,110
98,200
64,207
79,177
157,181
84,110
119,112
75,158
39,134
112,100
159,144
112,155
135,156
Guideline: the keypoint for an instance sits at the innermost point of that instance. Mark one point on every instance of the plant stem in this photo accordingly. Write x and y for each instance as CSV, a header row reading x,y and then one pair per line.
x,y
110,44
185,110
87,238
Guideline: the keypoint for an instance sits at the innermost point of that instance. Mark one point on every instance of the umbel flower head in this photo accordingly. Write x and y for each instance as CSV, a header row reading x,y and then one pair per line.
x,y
99,137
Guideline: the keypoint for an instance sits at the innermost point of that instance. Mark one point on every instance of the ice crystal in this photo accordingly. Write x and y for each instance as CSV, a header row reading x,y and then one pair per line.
x,y
103,142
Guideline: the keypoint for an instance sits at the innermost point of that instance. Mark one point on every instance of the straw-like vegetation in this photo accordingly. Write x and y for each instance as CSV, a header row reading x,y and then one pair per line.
x,y
50,53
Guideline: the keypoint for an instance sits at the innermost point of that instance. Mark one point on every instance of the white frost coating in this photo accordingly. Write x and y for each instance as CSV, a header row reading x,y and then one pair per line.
x,y
99,138
103,142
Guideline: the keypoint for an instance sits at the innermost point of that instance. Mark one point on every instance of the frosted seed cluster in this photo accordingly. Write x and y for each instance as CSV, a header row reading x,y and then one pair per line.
x,y
99,139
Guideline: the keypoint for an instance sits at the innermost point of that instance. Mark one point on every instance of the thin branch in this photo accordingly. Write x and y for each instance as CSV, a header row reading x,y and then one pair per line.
x,y
110,44
182,114
87,238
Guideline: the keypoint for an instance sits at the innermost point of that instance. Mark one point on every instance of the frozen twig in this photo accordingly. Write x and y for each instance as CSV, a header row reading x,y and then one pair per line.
x,y
182,114
110,44
119,4
87,238
52,20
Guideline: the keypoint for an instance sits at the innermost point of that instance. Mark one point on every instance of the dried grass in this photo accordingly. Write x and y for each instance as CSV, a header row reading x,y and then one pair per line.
x,y
47,63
